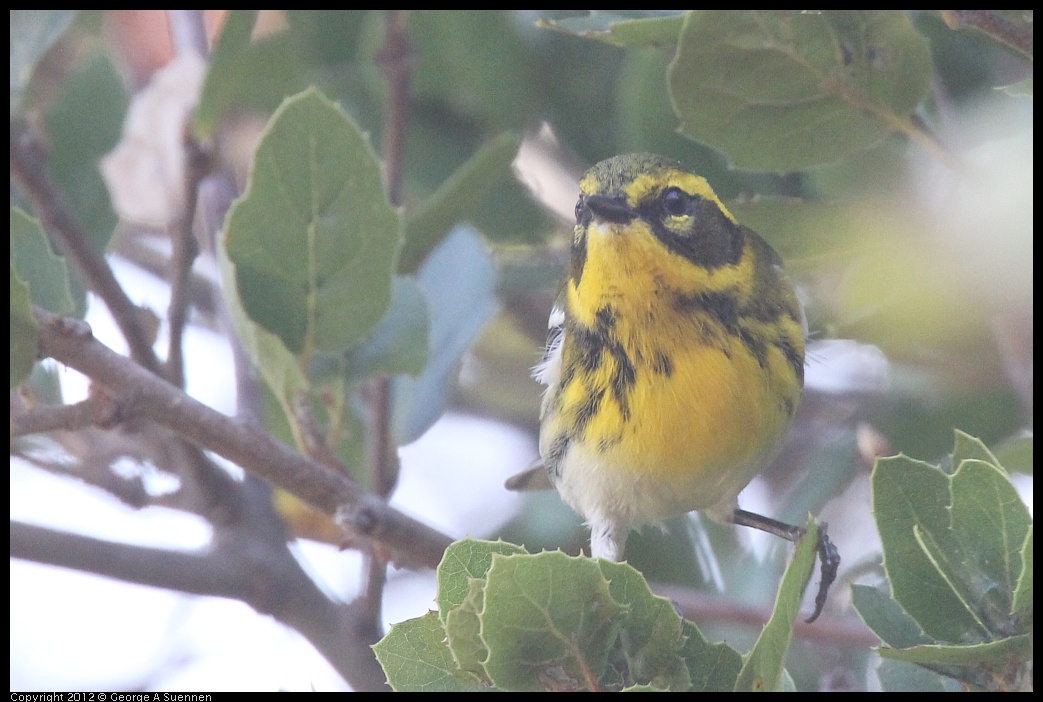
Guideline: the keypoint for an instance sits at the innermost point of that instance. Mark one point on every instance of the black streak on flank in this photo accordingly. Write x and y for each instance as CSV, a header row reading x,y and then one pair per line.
x,y
556,455
592,346
726,311
794,358
717,307
755,345
624,375
662,364
721,307
622,380
590,406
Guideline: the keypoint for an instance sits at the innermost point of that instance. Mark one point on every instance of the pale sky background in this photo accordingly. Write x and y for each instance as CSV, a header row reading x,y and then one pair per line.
x,y
73,631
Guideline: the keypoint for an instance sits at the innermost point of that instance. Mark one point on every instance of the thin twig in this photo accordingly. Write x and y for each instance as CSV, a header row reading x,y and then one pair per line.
x,y
189,35
28,171
186,249
202,293
264,575
395,61
96,410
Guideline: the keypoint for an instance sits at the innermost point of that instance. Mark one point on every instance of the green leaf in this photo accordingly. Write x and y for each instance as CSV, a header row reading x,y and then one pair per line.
x,y
329,38
1022,88
554,618
886,617
946,560
313,238
456,199
1021,610
463,625
415,658
652,630
899,676
1015,454
83,124
554,622
957,553
496,91
46,275
997,666
967,447
909,494
463,561
953,544
458,279
762,671
267,353
996,655
644,121
33,33
620,28
251,74
398,344
711,667
991,524
783,91
23,331
222,86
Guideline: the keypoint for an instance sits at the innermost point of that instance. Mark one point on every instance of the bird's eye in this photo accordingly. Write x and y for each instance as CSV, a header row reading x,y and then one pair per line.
x,y
675,201
579,209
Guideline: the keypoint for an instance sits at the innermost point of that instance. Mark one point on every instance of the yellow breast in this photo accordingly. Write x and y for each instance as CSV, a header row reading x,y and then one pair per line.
x,y
669,399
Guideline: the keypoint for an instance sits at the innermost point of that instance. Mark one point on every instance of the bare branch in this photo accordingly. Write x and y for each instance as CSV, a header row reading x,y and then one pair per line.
x,y
97,410
186,249
266,576
146,396
395,61
29,173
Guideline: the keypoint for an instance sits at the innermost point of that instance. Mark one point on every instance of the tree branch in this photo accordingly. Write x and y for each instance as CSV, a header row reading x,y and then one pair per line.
x,y
264,576
146,396
30,176
186,249
96,410
395,61
189,35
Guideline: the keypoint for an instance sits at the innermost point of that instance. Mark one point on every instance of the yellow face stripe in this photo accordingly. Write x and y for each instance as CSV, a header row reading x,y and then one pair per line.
x,y
645,185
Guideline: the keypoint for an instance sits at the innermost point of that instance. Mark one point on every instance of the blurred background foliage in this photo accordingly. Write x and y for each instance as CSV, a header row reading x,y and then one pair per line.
x,y
903,211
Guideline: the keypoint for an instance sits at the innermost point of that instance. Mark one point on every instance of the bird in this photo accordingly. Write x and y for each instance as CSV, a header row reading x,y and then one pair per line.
x,y
674,360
